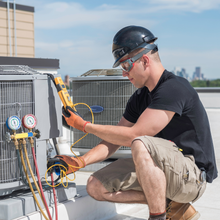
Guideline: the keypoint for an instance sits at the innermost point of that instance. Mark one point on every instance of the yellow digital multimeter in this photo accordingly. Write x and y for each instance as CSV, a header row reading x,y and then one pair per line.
x,y
62,91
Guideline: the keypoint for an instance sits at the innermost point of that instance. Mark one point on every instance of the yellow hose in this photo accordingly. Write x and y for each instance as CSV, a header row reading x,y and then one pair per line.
x,y
31,171
29,182
29,166
62,175
83,135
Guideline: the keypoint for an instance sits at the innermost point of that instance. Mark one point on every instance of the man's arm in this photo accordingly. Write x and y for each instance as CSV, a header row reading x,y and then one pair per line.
x,y
151,122
104,149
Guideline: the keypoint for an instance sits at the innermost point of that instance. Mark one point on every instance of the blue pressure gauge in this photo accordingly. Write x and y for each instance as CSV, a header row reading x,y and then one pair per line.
x,y
13,122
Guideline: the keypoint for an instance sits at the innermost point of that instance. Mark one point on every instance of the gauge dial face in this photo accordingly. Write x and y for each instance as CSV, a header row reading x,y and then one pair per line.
x,y
29,121
13,122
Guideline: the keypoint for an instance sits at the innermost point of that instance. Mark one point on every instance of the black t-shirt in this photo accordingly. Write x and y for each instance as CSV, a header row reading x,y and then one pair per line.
x,y
189,128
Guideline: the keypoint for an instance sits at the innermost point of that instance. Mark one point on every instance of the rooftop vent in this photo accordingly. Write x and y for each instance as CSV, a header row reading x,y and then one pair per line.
x,y
17,70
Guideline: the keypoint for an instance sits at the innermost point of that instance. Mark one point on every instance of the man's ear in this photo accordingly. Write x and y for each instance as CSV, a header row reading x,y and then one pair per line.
x,y
145,59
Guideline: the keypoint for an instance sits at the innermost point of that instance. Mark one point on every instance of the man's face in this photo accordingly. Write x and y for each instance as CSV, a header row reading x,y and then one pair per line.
x,y
135,71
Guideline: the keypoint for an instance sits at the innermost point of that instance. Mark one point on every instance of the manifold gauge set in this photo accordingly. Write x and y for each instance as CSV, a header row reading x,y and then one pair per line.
x,y
13,123
29,121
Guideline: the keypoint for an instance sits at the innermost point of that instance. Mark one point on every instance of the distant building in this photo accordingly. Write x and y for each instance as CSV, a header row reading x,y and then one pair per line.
x,y
198,75
181,72
67,80
16,30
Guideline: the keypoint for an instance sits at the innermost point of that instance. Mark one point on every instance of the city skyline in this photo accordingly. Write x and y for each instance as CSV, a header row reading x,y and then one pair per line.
x,y
196,75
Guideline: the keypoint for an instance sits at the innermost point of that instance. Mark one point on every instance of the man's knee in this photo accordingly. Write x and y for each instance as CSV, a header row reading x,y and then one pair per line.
x,y
138,149
94,188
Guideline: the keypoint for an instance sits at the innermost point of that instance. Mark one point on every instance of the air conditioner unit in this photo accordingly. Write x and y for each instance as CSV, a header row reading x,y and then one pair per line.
x,y
107,93
26,91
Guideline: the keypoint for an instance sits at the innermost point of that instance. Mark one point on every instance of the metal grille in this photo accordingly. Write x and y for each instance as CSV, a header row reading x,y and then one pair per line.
x,y
17,70
103,72
112,95
16,98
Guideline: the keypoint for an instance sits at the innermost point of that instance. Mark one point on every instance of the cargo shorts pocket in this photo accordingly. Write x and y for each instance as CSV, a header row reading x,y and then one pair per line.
x,y
190,190
173,182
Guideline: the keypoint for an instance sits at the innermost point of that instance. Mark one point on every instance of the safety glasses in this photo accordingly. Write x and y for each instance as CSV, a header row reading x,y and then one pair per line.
x,y
128,64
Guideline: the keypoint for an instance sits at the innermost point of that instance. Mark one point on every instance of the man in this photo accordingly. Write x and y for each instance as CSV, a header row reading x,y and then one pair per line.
x,y
167,129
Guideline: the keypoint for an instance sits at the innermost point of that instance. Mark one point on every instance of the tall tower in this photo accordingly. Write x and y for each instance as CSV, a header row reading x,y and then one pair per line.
x,y
197,75
67,80
198,72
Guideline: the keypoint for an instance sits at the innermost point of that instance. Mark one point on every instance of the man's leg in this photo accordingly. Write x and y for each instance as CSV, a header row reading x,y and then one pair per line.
x,y
150,177
96,190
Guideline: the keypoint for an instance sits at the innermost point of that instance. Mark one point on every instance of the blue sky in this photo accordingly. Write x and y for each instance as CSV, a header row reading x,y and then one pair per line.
x,y
80,33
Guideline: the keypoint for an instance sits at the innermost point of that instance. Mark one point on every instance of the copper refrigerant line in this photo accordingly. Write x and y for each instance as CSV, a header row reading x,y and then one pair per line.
x,y
19,139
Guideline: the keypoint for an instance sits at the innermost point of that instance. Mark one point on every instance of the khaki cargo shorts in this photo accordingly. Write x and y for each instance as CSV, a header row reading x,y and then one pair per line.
x,y
183,178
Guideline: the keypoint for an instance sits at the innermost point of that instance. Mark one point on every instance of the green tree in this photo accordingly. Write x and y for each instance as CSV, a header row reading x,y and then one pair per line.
x,y
199,83
206,83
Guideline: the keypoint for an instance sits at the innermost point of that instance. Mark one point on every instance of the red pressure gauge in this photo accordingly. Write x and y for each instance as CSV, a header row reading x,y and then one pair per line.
x,y
29,121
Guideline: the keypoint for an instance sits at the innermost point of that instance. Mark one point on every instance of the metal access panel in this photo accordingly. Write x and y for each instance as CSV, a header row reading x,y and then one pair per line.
x,y
25,91
109,93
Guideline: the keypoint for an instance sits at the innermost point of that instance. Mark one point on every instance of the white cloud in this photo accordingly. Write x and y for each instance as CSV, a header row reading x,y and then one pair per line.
x,y
64,15
50,47
77,57
59,15
66,45
185,5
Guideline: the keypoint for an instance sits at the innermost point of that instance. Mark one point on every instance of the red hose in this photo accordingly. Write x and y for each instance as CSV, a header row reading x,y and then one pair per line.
x,y
54,195
39,182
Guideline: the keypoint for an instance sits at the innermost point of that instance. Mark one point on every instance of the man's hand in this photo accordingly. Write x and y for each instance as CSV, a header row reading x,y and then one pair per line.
x,y
71,163
74,119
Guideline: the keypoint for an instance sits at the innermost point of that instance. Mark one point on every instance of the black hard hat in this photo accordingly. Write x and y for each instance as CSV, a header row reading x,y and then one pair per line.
x,y
128,39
